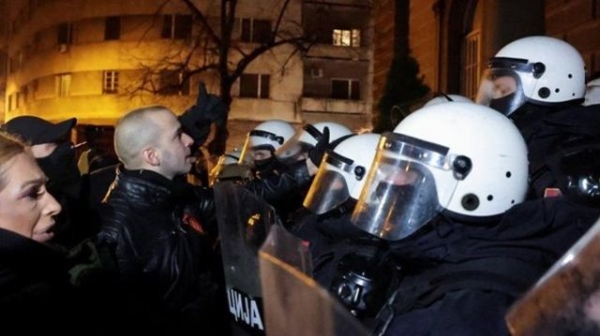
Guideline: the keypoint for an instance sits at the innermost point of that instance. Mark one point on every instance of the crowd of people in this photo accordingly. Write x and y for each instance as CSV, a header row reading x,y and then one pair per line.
x,y
435,227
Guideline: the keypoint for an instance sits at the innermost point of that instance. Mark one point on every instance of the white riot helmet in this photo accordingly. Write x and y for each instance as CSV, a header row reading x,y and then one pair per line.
x,y
312,133
540,70
464,159
232,157
445,98
269,135
343,174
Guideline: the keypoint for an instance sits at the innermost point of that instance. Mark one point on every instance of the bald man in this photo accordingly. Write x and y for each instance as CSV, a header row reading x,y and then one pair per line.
x,y
153,225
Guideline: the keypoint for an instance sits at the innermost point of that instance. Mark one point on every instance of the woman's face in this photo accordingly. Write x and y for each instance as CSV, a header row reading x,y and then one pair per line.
x,y
26,207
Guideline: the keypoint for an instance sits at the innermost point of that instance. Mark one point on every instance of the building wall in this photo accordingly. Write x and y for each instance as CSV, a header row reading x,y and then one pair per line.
x,y
383,44
39,64
437,31
577,22
422,41
327,61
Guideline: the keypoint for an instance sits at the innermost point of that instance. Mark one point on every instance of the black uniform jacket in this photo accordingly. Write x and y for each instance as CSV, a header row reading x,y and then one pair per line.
x,y
461,278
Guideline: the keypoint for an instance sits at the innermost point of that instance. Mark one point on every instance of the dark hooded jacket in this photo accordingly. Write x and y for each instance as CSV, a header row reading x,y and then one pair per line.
x,y
35,293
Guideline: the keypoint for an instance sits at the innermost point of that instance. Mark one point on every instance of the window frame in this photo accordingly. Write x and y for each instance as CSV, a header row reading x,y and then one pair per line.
x,y
250,31
353,36
260,86
177,26
112,28
110,82
350,93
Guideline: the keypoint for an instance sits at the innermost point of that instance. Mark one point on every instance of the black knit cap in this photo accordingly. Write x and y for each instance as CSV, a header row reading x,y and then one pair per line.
x,y
37,130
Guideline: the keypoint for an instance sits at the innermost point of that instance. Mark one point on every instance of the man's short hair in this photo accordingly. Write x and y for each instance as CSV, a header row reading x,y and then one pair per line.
x,y
135,131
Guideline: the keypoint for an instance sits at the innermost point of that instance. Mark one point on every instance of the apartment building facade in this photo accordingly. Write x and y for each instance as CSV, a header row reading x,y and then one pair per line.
x,y
97,60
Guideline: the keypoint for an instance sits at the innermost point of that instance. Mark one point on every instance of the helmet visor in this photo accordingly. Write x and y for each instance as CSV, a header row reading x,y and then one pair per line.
x,y
409,183
329,188
299,145
501,90
259,145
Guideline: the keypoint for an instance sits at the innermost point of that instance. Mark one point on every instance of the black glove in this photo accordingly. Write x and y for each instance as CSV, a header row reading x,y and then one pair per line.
x,y
316,153
196,120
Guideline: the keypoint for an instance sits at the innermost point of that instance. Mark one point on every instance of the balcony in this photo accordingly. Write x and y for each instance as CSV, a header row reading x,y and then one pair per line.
x,y
329,105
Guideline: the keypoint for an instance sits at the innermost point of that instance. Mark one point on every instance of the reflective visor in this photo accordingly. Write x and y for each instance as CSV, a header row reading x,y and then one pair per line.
x,y
504,84
330,188
408,184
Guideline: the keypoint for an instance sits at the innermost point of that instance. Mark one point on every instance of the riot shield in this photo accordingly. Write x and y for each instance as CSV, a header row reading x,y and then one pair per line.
x,y
244,220
566,300
294,303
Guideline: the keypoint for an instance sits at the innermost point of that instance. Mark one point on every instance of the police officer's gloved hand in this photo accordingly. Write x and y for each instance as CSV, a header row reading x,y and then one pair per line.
x,y
316,153
196,120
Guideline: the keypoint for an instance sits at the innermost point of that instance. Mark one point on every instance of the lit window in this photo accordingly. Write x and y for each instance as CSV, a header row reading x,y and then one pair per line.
x,y
63,84
255,86
256,31
110,82
346,37
177,27
112,28
345,89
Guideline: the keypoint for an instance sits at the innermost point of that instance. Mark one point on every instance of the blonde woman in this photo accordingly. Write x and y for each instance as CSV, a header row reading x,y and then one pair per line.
x,y
35,293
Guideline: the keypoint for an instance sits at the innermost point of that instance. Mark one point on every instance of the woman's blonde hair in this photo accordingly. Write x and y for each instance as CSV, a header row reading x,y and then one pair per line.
x,y
10,146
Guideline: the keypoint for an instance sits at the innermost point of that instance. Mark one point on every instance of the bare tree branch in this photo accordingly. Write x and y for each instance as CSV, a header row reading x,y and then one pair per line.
x,y
216,50
204,21
279,19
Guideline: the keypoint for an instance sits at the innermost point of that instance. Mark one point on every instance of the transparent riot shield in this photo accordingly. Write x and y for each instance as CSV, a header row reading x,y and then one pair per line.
x,y
294,303
244,221
566,300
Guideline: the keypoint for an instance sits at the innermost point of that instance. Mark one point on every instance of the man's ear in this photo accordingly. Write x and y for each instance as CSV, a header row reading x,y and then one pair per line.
x,y
151,156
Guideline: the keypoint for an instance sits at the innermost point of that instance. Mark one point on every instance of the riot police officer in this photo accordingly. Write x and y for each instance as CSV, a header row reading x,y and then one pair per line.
x,y
445,191
351,264
539,82
285,161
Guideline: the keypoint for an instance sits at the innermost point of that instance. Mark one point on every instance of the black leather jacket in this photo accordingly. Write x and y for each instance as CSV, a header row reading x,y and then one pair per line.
x,y
152,227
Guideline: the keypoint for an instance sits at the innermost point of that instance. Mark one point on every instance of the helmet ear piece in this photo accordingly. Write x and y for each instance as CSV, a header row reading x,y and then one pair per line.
x,y
461,166
359,172
538,69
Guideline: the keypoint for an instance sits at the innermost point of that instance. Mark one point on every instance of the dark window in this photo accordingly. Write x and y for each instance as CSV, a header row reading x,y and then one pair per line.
x,y
167,26
173,83
255,86
65,33
246,30
345,89
112,28
257,31
177,27
183,26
